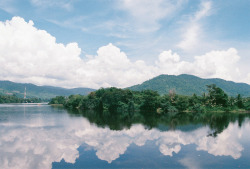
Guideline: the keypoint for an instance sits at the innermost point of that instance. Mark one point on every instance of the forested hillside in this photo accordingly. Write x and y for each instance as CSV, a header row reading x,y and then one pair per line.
x,y
189,84
43,92
182,84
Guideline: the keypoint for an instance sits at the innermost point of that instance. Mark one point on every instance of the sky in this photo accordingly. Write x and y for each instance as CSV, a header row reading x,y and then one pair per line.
x,y
103,43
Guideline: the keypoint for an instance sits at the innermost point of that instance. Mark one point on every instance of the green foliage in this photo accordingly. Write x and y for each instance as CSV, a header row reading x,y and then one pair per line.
x,y
43,92
165,104
58,100
239,102
115,99
15,99
217,97
182,103
198,108
247,103
168,121
189,84
90,103
149,101
73,101
126,102
194,100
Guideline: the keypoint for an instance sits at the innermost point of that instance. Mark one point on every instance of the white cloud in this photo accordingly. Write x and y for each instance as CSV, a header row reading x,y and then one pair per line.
x,y
247,79
168,57
169,63
28,54
218,146
192,33
73,22
146,14
32,55
168,150
7,7
190,163
65,4
218,64
204,11
190,37
214,64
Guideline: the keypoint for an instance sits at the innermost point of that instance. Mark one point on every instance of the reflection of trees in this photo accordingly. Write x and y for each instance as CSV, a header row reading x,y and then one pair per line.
x,y
114,121
241,119
219,122
149,119
117,121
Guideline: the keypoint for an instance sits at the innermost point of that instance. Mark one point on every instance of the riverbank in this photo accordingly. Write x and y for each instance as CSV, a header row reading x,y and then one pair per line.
x,y
126,101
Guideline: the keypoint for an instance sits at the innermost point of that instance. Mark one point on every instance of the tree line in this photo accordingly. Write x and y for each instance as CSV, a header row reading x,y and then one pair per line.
x,y
117,100
15,99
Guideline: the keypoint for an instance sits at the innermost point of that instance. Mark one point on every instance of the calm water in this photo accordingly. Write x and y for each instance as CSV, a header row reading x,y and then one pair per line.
x,y
44,137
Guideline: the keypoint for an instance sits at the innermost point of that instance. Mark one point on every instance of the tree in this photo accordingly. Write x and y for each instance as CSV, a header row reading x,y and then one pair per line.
x,y
217,97
116,99
149,101
239,101
57,100
165,103
73,101
194,100
247,103
182,103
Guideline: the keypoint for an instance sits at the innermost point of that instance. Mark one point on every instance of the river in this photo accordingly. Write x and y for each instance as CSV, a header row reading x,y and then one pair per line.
x,y
39,136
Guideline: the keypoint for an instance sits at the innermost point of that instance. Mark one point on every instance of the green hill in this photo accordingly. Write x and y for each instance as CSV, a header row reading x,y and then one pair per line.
x,y
43,92
188,84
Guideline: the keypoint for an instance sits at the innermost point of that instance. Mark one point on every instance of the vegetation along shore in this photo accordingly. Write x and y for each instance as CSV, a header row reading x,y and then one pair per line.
x,y
115,100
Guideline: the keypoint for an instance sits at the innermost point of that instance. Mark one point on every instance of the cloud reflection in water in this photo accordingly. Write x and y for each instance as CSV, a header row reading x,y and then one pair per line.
x,y
40,141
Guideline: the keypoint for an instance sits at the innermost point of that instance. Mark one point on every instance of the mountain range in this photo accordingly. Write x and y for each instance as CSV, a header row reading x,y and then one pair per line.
x,y
188,84
182,84
43,92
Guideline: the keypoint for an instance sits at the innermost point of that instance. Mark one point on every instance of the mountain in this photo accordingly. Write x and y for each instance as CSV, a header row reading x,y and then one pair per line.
x,y
43,92
188,84
182,84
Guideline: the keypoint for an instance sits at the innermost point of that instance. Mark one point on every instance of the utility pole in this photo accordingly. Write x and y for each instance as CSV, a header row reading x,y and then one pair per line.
x,y
24,93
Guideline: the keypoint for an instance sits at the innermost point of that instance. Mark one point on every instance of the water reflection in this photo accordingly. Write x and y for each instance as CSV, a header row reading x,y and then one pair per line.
x,y
45,135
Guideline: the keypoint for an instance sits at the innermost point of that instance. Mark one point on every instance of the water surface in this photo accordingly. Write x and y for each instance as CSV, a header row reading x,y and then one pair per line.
x,y
45,137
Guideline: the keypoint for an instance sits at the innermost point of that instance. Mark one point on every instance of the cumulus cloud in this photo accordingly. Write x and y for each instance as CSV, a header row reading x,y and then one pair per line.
x,y
28,54
38,142
213,64
32,55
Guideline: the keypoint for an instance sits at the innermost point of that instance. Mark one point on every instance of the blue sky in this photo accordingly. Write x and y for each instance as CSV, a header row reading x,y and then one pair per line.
x,y
142,30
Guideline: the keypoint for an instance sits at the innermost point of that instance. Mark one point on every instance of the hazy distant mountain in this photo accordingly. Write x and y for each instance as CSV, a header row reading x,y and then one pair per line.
x,y
44,92
189,84
182,84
